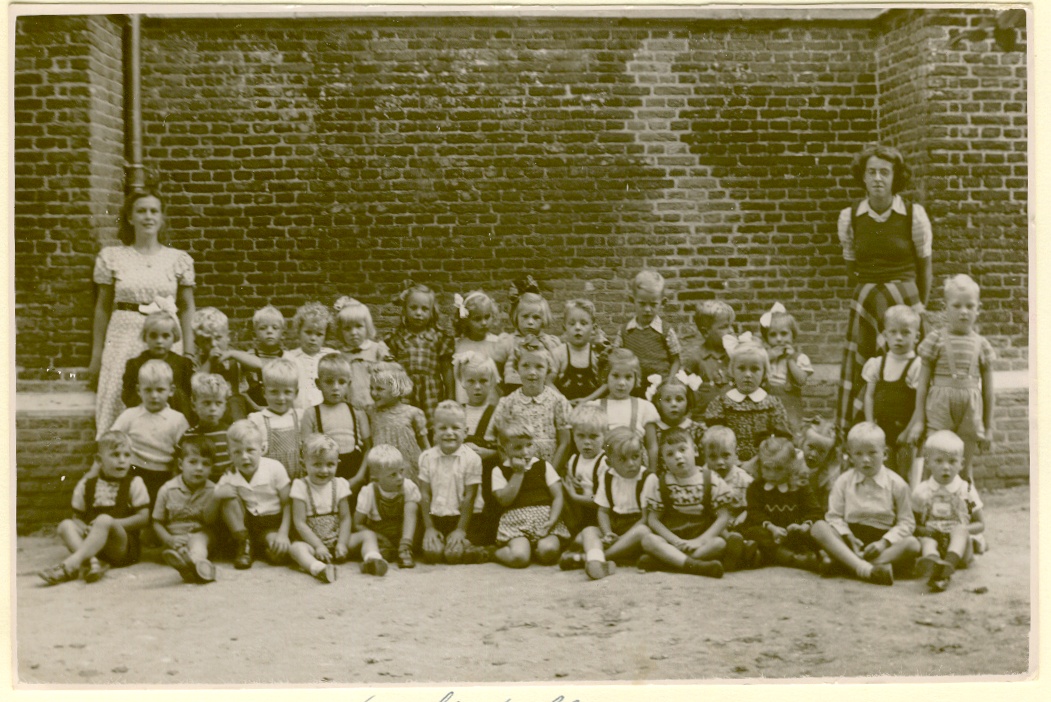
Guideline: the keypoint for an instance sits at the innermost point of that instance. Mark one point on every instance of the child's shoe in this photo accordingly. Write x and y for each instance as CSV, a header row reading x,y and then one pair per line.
x,y
57,574
96,569
243,557
571,560
925,565
709,569
733,556
178,560
405,557
596,570
751,557
979,544
473,555
374,566
205,571
941,576
881,575
648,563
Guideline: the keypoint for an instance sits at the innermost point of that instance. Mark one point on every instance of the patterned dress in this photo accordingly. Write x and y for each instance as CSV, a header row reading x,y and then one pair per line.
x,y
399,425
750,417
547,413
137,279
425,357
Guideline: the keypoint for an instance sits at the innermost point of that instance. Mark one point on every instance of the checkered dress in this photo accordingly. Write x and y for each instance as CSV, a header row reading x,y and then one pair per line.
x,y
425,357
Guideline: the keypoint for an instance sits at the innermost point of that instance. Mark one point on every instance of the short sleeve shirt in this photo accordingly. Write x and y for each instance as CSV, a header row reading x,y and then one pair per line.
x,y
449,476
943,507
262,496
625,493
618,413
687,496
500,482
106,493
180,509
893,369
367,498
321,497
922,237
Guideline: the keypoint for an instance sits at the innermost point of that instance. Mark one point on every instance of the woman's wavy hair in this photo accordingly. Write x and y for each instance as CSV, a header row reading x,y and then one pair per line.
x,y
902,174
127,231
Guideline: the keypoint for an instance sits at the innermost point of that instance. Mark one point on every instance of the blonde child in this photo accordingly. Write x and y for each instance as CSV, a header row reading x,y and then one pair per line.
x,y
335,418
782,508
654,343
268,329
710,361
210,393
310,325
472,323
719,448
588,426
687,509
618,495
388,506
394,422
622,408
790,368
955,388
948,512
109,509
539,404
186,510
530,315
450,481
890,385
581,356
529,490
817,440
477,374
211,330
160,331
254,498
423,350
354,328
674,402
279,422
869,524
153,427
749,410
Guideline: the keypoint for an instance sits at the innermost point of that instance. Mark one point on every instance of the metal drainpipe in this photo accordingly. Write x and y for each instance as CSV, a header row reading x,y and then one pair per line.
x,y
136,176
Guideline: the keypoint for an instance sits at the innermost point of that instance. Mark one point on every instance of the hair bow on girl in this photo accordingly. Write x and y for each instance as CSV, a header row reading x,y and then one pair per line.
x,y
407,287
731,342
690,380
342,302
459,359
655,382
161,304
459,302
767,317
526,285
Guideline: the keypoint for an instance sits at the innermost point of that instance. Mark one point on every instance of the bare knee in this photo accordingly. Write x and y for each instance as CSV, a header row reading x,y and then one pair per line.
x,y
548,550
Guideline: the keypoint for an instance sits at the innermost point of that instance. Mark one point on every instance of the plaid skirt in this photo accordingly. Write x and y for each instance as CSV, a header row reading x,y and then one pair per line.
x,y
865,340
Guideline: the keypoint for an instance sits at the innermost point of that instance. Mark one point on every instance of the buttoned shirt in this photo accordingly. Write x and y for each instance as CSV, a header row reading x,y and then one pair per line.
x,y
449,475
881,501
180,509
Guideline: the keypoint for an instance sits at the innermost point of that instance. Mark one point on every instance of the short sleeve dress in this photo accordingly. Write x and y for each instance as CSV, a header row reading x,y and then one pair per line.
x,y
137,280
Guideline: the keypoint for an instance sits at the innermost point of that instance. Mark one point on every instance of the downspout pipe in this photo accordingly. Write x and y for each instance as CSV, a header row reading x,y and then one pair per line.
x,y
135,175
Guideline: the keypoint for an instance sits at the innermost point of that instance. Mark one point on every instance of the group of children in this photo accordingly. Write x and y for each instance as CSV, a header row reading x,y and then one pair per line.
x,y
524,446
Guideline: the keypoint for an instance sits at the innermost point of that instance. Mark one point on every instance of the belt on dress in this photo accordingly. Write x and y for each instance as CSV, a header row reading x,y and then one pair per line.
x,y
127,307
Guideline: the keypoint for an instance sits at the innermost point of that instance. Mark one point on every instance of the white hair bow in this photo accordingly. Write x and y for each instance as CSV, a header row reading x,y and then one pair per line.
x,y
731,342
458,301
690,380
765,320
160,304
655,382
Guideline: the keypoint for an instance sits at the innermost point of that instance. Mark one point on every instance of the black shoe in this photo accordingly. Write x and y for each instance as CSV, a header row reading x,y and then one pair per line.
x,y
243,559
733,556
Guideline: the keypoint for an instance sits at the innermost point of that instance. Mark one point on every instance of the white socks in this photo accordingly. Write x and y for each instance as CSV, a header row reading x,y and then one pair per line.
x,y
595,554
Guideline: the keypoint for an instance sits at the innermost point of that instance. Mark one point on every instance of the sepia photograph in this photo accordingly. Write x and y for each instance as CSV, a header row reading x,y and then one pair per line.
x,y
371,345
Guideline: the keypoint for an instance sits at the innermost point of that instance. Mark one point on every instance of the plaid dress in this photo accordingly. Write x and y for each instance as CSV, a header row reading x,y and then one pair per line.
x,y
425,357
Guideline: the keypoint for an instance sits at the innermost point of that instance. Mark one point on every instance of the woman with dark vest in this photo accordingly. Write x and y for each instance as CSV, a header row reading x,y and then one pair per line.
x,y
887,248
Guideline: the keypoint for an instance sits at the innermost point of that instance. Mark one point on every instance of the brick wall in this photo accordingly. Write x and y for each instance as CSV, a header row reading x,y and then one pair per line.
x,y
68,173
54,450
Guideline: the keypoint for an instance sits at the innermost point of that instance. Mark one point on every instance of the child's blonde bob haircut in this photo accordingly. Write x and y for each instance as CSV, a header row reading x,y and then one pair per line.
x,y
588,416
719,437
620,358
242,430
280,371
944,441
161,320
311,312
350,311
751,349
384,457
474,361
622,441
316,445
450,408
210,322
393,377
268,315
210,385
111,440
866,431
155,371
777,451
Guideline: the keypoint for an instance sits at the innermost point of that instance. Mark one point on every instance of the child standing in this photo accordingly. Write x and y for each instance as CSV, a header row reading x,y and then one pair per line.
x,y
890,385
622,408
253,498
674,403
531,493
186,510
472,322
714,319
781,508
388,505
747,409
355,329
310,323
210,392
211,331
686,509
450,476
948,512
279,421
538,404
268,326
645,335
817,440
588,424
789,367
153,427
393,422
477,375
581,357
160,331
955,388
109,509
423,350
347,425
720,453
530,315
869,524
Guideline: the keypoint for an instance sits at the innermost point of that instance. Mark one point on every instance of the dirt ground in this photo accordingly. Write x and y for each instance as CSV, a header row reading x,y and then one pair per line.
x,y
485,623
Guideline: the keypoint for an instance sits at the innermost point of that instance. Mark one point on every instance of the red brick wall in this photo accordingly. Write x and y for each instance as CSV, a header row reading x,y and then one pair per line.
x,y
53,452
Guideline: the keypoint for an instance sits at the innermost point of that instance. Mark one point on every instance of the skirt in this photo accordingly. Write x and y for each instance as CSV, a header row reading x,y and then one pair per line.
x,y
865,340
525,522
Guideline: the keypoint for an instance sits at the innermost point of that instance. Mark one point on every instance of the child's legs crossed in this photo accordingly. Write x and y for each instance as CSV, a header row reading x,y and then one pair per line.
x,y
104,537
833,542
904,550
629,543
658,547
72,533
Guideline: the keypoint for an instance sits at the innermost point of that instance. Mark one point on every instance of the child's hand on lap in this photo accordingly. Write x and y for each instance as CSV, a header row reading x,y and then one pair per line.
x,y
609,539
323,554
342,552
456,539
873,550
855,544
432,540
279,546
777,532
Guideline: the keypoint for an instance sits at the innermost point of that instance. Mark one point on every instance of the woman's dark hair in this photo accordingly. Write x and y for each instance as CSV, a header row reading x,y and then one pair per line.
x,y
127,231
902,174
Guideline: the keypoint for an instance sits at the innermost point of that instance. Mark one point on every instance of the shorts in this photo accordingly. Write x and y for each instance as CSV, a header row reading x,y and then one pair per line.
x,y
447,525
131,554
867,534
259,526
621,523
957,409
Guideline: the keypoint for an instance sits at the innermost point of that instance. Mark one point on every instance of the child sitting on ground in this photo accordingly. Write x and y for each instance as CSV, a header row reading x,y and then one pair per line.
x,y
530,491
687,509
160,331
109,509
646,335
714,319
948,512
253,498
186,510
153,427
869,524
817,440
388,505
584,467
210,392
618,492
450,477
279,422
336,418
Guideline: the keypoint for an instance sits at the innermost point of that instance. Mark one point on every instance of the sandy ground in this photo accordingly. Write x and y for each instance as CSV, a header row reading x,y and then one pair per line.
x,y
485,623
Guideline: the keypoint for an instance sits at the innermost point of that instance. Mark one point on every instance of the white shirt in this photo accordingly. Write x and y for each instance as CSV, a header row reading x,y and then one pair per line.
x,y
618,413
367,498
893,369
262,496
320,497
625,492
449,475
309,393
584,469
154,435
